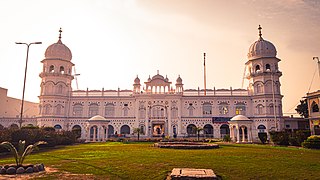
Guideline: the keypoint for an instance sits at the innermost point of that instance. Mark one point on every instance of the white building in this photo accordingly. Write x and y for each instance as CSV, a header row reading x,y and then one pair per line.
x,y
160,106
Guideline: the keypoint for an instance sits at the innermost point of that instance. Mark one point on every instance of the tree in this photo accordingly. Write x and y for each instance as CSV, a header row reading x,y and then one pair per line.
x,y
138,131
23,152
198,130
302,108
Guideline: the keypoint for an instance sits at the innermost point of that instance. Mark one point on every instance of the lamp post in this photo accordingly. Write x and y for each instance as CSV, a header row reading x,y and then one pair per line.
x,y
25,77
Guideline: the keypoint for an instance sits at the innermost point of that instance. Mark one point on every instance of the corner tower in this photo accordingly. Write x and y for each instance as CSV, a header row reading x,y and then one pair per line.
x,y
264,85
56,78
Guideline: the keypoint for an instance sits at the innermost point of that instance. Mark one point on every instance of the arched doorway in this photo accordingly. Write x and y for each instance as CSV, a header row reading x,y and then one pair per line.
x,y
94,133
110,131
14,126
125,129
76,129
192,130
243,133
224,130
208,130
1,127
261,128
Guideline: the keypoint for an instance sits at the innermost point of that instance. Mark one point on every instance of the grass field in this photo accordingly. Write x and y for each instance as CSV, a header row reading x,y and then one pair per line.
x,y
142,161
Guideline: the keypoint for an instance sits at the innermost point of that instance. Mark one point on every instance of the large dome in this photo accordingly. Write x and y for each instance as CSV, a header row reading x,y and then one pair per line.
x,y
58,51
261,48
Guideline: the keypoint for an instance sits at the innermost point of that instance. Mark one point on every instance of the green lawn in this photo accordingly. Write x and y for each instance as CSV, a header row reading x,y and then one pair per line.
x,y
142,161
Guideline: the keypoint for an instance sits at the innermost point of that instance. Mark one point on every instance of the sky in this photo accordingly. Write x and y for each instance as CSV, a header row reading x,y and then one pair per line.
x,y
114,41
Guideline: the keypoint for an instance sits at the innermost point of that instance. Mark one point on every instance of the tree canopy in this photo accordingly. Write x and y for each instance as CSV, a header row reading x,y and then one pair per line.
x,y
302,108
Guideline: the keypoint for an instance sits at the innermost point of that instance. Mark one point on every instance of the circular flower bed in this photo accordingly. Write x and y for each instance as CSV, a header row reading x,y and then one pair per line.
x,y
13,169
185,145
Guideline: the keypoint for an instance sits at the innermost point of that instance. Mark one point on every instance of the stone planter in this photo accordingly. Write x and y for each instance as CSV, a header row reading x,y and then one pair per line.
x,y
13,169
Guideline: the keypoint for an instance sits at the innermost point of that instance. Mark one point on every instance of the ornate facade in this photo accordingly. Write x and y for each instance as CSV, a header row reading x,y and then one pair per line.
x,y
160,107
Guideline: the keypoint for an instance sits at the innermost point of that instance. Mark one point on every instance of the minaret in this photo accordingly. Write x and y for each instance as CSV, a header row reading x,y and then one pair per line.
x,y
56,79
264,83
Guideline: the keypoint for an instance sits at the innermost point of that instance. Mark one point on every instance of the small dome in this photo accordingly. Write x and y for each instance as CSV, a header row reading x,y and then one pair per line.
x,y
179,80
97,117
240,118
166,79
158,76
137,80
261,48
149,79
58,51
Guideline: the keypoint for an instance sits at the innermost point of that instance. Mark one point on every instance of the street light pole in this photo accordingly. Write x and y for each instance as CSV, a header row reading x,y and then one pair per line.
x,y
25,78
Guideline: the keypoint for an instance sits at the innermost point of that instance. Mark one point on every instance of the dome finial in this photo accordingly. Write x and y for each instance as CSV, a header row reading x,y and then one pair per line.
x,y
60,31
259,28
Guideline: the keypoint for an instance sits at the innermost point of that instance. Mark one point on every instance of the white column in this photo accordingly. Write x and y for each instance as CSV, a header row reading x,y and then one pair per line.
x,y
87,135
249,135
94,133
243,134
231,133
238,134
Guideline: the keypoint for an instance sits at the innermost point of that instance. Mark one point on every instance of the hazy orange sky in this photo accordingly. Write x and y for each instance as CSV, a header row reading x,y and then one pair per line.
x,y
113,41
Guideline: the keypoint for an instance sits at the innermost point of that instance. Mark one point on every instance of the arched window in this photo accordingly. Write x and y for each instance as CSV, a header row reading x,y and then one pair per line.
x,y
268,67
257,68
174,112
142,129
1,127
49,89
77,110
207,109
109,110
125,111
240,108
190,109
223,108
260,109
60,89
57,127
142,113
59,109
271,109
51,69
61,69
125,129
314,107
261,128
47,109
93,110
259,88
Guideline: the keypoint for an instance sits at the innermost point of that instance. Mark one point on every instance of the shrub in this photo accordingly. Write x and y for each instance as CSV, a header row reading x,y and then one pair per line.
x,y
226,138
33,135
263,137
313,142
279,137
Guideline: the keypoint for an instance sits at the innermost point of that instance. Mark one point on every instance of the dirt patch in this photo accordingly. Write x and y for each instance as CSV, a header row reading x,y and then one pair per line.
x,y
49,172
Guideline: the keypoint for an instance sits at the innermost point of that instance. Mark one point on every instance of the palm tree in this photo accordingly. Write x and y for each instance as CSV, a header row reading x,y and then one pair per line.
x,y
23,152
198,130
138,131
